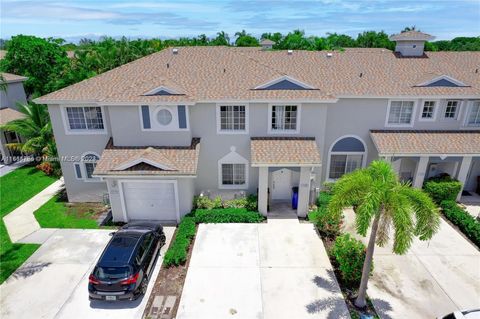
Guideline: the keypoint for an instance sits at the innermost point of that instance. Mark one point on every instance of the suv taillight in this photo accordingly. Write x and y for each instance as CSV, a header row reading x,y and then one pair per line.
x,y
130,280
93,280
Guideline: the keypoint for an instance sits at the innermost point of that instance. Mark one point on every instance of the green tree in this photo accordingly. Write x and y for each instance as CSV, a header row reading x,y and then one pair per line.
x,y
296,40
222,38
41,60
246,40
35,128
373,39
377,195
337,41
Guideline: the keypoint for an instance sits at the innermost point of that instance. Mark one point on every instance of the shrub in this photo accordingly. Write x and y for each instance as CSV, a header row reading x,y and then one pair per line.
x,y
227,215
177,252
204,202
328,187
46,167
442,189
349,254
323,199
328,224
462,219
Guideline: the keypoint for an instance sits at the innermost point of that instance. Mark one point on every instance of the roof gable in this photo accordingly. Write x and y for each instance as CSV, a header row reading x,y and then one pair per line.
x,y
150,157
443,81
284,83
163,90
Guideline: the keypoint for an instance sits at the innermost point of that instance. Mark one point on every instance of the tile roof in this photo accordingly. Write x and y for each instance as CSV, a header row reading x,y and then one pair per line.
x,y
284,151
413,142
8,114
232,73
180,160
411,35
10,78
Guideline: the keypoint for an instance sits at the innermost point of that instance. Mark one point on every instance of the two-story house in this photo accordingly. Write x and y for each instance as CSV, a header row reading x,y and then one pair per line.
x,y
227,120
11,94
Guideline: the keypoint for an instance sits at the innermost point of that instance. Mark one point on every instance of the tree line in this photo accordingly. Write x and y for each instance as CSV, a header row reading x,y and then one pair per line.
x,y
48,67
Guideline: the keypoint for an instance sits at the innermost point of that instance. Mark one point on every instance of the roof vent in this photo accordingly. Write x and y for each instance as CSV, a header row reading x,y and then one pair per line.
x,y
175,51
290,52
329,55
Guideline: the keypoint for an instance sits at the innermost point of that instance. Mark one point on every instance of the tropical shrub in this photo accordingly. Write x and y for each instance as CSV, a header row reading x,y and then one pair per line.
x,y
328,224
249,203
323,199
204,202
462,219
349,254
442,188
227,215
178,250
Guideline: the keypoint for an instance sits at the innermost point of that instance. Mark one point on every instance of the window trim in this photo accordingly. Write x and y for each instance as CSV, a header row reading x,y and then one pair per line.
x,y
153,118
457,113
467,114
330,153
270,110
412,119
233,158
232,132
435,110
83,168
66,125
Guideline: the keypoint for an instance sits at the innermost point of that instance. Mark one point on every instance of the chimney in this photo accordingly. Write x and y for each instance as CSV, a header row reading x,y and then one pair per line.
x,y
410,43
266,44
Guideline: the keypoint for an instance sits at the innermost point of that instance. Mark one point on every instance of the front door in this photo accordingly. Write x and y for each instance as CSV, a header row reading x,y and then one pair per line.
x,y
282,184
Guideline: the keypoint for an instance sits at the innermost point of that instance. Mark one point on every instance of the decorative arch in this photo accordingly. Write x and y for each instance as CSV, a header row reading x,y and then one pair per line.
x,y
346,154
88,163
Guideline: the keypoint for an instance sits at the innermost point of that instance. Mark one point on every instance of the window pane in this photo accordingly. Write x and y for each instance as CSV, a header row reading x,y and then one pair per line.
x,y
232,117
93,117
89,168
239,174
353,162
451,109
284,117
400,112
337,166
227,174
428,108
76,118
474,116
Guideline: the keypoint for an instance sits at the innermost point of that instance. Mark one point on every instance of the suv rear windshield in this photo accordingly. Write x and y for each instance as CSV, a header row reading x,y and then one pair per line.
x,y
112,273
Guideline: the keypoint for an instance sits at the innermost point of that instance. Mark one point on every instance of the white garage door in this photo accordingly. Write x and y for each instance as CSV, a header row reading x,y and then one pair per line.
x,y
153,200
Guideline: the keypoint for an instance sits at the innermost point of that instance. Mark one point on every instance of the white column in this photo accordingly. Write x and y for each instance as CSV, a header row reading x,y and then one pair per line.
x,y
420,172
303,191
463,173
263,190
396,164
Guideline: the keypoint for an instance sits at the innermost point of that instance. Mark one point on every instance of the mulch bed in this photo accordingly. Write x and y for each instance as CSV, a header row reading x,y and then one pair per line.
x,y
348,294
169,282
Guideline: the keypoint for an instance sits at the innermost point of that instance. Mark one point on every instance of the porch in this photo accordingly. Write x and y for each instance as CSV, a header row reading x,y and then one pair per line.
x,y
284,164
419,155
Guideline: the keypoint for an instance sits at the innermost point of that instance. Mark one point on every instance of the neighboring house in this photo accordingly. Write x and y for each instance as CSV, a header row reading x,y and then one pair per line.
x,y
13,94
227,120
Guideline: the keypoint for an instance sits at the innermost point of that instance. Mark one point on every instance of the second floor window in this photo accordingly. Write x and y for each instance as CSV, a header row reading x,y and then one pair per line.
x,y
284,118
400,112
451,110
232,118
428,110
85,118
473,118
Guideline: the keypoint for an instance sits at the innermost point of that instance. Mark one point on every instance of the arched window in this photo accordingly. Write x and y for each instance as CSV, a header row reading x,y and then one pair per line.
x,y
346,155
89,161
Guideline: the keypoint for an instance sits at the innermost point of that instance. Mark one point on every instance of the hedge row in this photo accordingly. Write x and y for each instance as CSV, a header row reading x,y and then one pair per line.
x,y
227,215
328,225
462,219
441,190
177,252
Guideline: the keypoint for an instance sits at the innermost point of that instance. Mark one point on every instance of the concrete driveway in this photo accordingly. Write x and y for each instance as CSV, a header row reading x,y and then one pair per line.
x,y
434,278
53,281
274,270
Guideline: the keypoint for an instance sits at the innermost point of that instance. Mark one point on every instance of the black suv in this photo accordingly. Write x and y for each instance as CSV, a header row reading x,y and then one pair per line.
x,y
127,262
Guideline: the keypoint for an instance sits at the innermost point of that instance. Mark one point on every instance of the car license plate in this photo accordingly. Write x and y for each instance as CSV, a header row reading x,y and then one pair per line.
x,y
110,298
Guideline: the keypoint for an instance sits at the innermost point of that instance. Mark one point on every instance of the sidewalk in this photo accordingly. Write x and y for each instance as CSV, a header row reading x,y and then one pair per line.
x,y
21,222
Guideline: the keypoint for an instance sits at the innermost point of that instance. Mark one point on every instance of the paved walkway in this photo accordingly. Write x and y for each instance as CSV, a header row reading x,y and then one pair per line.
x,y
433,279
273,270
21,222
7,168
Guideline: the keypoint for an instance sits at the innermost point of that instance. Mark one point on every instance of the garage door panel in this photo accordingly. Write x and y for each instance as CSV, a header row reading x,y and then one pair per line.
x,y
155,201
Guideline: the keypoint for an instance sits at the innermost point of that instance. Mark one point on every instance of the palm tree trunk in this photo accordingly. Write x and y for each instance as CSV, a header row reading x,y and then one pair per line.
x,y
361,300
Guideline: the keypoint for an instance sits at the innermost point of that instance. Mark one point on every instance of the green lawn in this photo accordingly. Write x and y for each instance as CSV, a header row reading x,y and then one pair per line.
x,y
15,189
56,213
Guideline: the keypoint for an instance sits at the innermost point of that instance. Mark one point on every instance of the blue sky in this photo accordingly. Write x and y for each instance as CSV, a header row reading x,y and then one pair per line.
x,y
74,19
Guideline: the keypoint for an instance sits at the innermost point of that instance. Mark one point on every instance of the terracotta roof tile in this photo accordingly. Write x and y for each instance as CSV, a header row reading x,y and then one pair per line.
x,y
10,78
284,151
232,73
391,142
180,160
411,35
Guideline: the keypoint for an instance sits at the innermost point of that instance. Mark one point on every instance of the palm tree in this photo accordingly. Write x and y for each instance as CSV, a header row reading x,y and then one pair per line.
x,y
377,194
35,128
